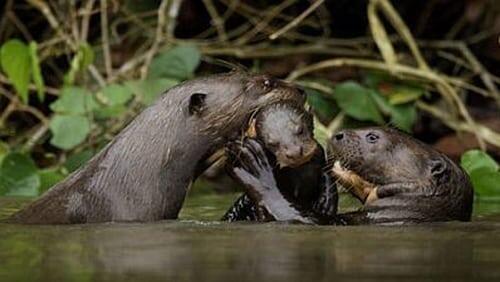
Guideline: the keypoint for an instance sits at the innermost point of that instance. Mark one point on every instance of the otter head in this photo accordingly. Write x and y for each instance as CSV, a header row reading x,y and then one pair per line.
x,y
225,102
217,108
287,132
399,178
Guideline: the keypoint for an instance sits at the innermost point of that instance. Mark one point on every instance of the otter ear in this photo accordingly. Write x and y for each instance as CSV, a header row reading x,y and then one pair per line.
x,y
438,167
197,103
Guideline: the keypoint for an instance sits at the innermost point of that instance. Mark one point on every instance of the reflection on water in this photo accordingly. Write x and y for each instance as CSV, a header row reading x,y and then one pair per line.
x,y
202,251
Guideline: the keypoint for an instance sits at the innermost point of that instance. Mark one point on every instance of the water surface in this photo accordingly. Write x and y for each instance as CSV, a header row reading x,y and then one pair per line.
x,y
197,248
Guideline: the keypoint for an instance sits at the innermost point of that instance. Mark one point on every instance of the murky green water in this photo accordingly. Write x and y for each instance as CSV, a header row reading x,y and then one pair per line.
x,y
205,250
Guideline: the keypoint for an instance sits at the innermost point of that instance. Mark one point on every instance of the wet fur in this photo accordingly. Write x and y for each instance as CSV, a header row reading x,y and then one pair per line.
x,y
415,183
304,185
145,172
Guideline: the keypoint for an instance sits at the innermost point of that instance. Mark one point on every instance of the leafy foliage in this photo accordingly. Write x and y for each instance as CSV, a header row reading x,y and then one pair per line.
x,y
368,104
78,159
358,102
4,149
18,176
177,63
83,58
74,100
402,94
36,71
77,109
15,59
116,94
69,130
148,90
483,171
324,108
402,116
49,177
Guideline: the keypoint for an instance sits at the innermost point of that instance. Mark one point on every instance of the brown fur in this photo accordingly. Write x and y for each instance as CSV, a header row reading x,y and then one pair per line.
x,y
405,179
145,172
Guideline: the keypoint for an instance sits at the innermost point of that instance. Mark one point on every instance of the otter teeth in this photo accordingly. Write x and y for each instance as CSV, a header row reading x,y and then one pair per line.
x,y
336,164
339,169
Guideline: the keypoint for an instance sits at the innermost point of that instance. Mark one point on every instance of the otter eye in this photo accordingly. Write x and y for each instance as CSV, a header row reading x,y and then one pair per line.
x,y
268,83
372,137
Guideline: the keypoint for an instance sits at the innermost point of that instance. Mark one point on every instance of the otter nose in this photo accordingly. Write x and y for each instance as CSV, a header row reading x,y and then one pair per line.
x,y
339,136
294,152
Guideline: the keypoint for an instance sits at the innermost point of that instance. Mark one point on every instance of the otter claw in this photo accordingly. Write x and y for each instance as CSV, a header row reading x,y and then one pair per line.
x,y
326,206
250,166
257,150
248,155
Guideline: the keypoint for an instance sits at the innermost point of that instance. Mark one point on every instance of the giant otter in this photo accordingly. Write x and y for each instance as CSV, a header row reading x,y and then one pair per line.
x,y
143,174
400,179
286,131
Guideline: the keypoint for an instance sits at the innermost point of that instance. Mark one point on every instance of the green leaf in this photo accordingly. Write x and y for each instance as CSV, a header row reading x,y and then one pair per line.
x,y
149,90
486,182
404,116
18,176
179,63
110,112
483,171
116,94
398,92
15,60
382,103
476,159
68,130
82,59
357,102
50,177
87,55
36,71
74,100
322,106
76,160
402,94
4,149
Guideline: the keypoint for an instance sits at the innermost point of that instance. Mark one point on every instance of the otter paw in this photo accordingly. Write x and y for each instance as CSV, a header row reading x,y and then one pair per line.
x,y
249,165
249,155
326,206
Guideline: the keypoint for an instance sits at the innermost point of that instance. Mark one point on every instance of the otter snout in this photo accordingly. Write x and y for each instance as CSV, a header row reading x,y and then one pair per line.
x,y
294,152
349,148
344,143
343,137
296,155
347,136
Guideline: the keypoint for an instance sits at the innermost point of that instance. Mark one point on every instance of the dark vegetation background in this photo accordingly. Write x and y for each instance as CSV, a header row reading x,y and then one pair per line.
x,y
73,73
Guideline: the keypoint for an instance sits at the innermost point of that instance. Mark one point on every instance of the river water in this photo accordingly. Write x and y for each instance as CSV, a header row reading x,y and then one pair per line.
x,y
198,248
